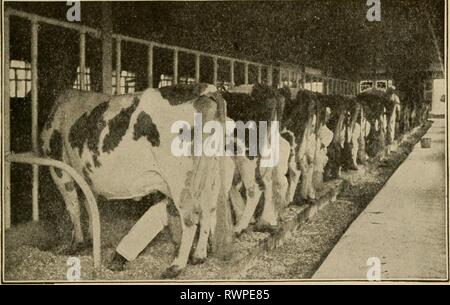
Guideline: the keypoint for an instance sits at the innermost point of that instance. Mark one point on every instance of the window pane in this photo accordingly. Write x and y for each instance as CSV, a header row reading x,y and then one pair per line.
x,y
12,89
21,74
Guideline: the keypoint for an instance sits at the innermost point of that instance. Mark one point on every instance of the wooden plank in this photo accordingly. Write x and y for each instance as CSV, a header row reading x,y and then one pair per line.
x,y
34,116
215,68
83,61
259,74
6,126
118,66
289,79
232,72
175,66
246,73
270,75
197,68
51,21
150,66
280,78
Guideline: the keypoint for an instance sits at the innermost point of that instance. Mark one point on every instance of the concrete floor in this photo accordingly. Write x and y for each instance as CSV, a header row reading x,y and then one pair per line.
x,y
404,226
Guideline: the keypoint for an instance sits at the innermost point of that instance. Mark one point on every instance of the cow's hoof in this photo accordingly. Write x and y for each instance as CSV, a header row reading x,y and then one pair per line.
x,y
198,260
172,272
117,263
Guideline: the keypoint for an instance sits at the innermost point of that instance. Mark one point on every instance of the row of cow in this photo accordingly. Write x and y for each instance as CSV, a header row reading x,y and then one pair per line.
x,y
122,145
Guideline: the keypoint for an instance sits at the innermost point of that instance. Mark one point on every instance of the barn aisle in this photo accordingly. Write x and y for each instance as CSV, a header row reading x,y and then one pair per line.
x,y
403,226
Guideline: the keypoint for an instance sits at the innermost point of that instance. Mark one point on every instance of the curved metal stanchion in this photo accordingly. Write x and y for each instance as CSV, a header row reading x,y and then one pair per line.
x,y
94,217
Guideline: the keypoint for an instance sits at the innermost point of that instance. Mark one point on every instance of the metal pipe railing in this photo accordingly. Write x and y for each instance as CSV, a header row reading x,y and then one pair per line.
x,y
91,203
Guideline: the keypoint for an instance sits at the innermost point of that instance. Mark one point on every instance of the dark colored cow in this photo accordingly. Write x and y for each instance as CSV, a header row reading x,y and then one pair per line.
x,y
257,103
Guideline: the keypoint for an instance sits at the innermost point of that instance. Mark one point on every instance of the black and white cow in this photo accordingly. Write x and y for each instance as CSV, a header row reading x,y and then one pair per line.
x,y
122,147
258,103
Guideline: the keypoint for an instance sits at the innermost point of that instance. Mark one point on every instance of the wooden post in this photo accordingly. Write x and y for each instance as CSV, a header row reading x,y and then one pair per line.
x,y
232,72
107,29
197,68
34,116
215,68
280,78
6,125
270,75
83,60
118,66
150,66
175,66
289,78
246,73
259,74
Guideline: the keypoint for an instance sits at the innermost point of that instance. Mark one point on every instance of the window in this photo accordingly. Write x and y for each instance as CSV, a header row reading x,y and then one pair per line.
x,y
382,85
20,78
186,80
319,86
308,83
87,79
366,85
127,82
165,80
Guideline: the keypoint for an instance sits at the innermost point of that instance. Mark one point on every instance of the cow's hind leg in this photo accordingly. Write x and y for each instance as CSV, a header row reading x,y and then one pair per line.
x,y
66,186
247,171
200,252
208,217
180,262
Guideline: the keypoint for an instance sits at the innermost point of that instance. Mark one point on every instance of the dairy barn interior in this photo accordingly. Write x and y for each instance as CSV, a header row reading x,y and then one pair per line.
x,y
322,52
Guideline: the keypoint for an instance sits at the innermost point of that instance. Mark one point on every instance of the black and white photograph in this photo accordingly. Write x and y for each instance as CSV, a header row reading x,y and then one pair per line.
x,y
272,142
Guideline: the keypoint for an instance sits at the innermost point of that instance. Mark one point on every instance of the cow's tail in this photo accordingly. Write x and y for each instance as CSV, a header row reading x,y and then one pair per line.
x,y
290,137
51,132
